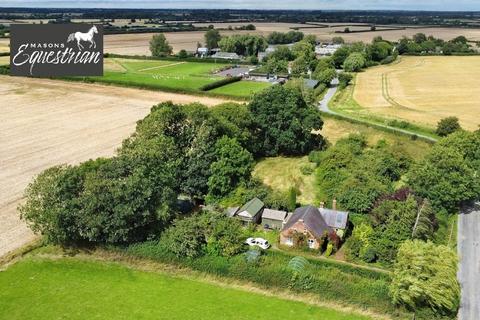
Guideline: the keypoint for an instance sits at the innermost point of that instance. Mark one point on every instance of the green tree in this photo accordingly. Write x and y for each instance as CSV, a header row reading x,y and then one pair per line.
x,y
285,122
448,126
182,54
354,63
159,46
232,167
338,40
344,79
325,76
426,274
445,177
212,37
340,56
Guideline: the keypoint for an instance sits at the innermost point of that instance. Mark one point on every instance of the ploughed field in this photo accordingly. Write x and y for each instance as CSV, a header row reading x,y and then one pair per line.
x,y
172,75
421,90
37,288
50,122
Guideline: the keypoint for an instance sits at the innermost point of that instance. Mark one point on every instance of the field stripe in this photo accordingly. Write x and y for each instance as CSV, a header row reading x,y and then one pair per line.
x,y
163,66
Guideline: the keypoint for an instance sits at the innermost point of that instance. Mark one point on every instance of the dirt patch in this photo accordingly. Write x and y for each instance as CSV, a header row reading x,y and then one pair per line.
x,y
48,122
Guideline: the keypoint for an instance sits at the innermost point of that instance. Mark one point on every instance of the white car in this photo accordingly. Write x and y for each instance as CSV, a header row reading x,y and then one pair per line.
x,y
259,242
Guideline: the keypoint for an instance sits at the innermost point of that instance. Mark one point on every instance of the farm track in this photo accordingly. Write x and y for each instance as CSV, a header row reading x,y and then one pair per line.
x,y
50,122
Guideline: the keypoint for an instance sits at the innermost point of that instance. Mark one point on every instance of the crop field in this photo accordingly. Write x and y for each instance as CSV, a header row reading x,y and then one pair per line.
x,y
4,45
37,288
241,89
49,122
421,90
4,60
138,44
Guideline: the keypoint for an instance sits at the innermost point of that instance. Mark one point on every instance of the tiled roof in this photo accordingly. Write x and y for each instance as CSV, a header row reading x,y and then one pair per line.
x,y
334,219
312,219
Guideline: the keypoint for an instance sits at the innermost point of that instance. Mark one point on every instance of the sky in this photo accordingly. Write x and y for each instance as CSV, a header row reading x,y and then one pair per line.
x,y
436,5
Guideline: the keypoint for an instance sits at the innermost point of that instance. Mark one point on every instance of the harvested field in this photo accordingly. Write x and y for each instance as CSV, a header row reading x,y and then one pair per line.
x,y
132,44
422,90
48,122
4,60
4,45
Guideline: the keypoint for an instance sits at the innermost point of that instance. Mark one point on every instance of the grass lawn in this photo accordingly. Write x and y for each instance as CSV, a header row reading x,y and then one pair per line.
x,y
161,74
282,173
241,88
68,288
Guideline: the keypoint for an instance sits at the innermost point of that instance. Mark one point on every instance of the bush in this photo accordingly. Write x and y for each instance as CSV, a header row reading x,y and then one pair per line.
x,y
354,63
447,126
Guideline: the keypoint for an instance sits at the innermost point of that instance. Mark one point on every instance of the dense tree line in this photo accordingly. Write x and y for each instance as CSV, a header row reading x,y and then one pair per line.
x,y
421,44
191,150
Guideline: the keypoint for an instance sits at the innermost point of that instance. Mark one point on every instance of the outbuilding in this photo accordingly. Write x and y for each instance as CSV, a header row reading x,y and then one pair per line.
x,y
273,219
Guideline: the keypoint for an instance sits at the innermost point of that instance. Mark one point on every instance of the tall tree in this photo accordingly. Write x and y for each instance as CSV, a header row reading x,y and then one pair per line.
x,y
212,37
285,122
426,275
159,46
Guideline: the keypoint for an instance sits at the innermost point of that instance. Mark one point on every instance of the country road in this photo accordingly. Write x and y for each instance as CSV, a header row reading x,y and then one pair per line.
x,y
469,266
323,106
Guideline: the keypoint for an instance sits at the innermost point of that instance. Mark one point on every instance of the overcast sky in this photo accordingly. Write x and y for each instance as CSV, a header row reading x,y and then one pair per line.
x,y
456,5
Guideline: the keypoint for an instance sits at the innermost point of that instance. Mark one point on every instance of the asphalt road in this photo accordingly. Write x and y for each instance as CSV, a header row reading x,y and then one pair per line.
x,y
469,266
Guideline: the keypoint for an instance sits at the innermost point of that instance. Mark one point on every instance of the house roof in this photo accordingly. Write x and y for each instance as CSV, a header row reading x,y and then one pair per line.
x,y
231,211
312,219
226,55
274,214
334,219
251,208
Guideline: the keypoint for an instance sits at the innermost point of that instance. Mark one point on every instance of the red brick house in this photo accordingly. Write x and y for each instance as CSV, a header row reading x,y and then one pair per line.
x,y
308,224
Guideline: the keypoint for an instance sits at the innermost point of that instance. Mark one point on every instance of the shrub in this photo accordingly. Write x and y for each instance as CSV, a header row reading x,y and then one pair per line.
x,y
447,126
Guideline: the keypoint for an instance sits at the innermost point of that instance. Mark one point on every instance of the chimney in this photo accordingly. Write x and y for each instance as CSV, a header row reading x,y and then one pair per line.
x,y
334,204
322,205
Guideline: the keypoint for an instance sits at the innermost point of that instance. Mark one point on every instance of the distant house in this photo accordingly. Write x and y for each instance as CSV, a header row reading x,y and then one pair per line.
x,y
273,219
226,56
307,221
326,49
250,212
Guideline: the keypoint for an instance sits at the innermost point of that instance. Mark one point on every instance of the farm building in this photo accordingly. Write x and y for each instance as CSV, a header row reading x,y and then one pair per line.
x,y
202,52
251,211
326,49
273,219
226,56
306,221
311,83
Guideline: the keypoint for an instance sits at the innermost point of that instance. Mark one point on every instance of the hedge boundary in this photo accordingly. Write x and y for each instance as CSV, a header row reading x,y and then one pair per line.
x,y
173,58
220,83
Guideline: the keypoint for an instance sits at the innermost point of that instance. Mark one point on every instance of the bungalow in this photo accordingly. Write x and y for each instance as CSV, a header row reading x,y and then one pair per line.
x,y
251,211
273,219
306,221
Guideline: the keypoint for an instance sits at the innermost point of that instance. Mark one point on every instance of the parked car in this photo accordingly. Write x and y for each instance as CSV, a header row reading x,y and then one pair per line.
x,y
259,242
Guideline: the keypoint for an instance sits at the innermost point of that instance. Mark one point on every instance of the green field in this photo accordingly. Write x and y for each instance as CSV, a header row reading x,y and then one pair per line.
x,y
242,88
68,288
174,76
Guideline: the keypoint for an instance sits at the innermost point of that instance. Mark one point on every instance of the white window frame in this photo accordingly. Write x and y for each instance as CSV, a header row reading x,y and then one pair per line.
x,y
311,243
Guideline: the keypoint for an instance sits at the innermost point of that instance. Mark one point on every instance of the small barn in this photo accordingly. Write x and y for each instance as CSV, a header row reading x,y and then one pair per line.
x,y
251,211
273,219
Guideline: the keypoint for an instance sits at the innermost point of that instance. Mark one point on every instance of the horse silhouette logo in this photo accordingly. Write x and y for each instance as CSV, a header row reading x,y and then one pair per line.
x,y
84,36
